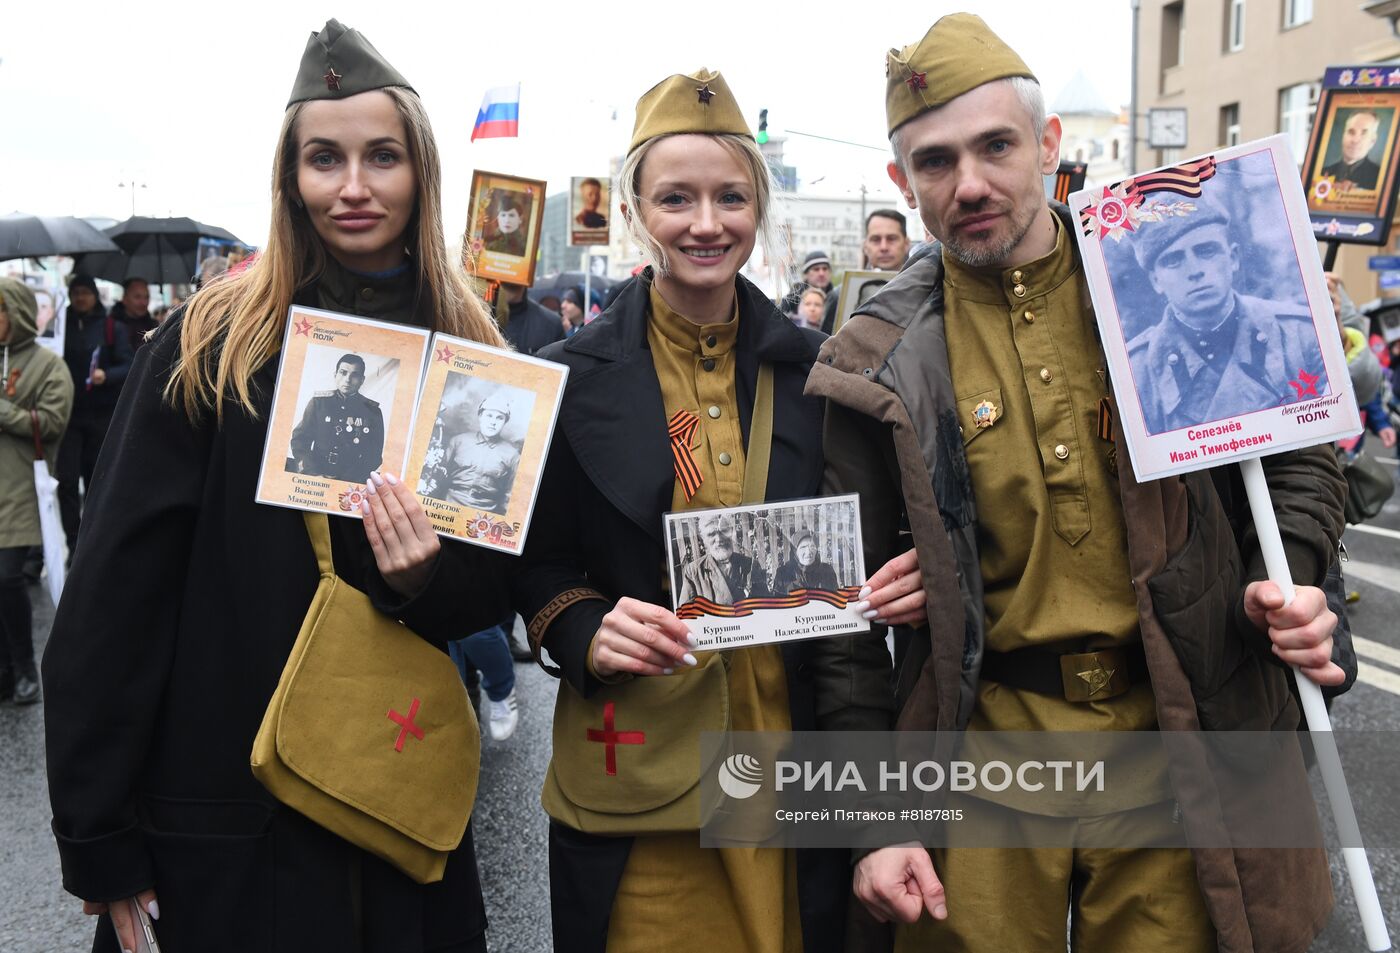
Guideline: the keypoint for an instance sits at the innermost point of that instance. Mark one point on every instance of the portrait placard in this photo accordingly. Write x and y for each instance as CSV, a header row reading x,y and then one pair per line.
x,y
1351,162
857,287
342,408
767,572
480,437
589,199
503,228
1213,311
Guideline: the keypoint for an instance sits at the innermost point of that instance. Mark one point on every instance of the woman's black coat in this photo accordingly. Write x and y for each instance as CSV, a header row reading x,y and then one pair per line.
x,y
184,600
598,524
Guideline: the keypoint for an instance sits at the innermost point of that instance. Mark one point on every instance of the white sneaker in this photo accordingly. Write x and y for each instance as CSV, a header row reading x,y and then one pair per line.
x,y
503,717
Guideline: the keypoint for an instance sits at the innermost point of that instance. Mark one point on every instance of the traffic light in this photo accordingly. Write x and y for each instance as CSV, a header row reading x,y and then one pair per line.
x,y
762,126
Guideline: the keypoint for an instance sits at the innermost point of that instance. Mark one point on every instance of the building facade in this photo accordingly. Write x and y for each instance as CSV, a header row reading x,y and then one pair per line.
x,y
1245,69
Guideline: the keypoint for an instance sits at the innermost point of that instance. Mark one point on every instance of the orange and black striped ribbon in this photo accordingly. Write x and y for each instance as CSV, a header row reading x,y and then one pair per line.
x,y
682,431
1105,419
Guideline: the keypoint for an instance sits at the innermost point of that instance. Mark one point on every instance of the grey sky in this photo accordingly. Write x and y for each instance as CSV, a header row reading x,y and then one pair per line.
x,y
186,98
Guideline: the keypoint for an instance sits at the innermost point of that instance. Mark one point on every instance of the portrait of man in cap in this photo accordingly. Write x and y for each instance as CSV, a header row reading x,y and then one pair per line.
x,y
591,214
508,226
1355,133
1214,352
479,458
341,433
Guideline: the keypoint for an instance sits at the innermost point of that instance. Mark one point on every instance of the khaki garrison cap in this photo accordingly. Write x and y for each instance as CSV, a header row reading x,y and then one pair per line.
x,y
340,62
679,104
957,54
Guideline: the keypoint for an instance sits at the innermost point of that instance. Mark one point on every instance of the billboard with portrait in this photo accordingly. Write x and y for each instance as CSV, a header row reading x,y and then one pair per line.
x,y
1351,167
1213,311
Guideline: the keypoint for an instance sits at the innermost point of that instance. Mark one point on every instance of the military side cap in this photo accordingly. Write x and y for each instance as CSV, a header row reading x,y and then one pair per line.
x,y
1153,238
957,54
340,62
680,104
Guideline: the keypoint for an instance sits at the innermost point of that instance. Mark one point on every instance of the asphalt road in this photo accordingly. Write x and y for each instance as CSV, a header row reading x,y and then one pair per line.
x,y
38,917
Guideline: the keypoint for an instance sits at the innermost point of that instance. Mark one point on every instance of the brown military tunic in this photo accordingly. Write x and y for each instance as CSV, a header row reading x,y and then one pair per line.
x,y
1054,561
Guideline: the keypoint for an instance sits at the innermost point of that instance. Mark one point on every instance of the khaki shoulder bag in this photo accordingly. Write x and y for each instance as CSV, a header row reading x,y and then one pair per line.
x,y
370,733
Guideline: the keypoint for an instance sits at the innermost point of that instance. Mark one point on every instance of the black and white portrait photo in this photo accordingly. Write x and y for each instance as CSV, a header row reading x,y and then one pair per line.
x,y
344,398
771,550
1214,313
474,455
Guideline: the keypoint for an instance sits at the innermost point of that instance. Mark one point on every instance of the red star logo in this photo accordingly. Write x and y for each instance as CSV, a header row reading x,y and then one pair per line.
x,y
917,81
705,93
444,354
332,79
303,327
1306,384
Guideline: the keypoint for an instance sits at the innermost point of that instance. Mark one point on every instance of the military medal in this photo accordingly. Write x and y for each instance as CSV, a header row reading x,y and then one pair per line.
x,y
985,414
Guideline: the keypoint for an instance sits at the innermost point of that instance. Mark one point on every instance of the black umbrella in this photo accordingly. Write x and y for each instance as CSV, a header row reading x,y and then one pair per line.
x,y
161,250
555,285
35,236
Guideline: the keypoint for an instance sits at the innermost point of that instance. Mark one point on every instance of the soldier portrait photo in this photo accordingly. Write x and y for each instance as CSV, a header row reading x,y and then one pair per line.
x,y
474,457
508,225
340,431
1352,159
1216,325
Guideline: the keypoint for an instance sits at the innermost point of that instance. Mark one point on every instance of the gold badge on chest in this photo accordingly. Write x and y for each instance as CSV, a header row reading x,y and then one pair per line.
x,y
985,414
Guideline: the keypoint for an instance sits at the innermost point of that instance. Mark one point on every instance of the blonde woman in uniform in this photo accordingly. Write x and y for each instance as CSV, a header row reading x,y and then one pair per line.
x,y
686,347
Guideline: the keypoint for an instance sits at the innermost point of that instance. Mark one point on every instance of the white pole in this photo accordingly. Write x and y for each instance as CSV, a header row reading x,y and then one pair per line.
x,y
1329,761
587,281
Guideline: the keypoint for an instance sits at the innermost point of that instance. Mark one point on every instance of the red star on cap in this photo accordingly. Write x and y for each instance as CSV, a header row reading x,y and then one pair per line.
x,y
1306,383
705,93
332,79
444,354
917,81
303,327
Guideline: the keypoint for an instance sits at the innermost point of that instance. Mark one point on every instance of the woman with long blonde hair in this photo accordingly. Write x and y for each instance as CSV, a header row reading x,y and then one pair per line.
x,y
186,596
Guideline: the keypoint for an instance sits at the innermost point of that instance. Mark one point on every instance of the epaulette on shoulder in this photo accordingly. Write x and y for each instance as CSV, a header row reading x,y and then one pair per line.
x,y
369,400
325,393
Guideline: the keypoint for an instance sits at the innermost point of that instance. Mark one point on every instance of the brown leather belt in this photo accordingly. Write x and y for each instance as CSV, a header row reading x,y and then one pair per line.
x,y
1079,677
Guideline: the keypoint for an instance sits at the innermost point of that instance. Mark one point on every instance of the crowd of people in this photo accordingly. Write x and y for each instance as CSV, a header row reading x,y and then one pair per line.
x,y
185,596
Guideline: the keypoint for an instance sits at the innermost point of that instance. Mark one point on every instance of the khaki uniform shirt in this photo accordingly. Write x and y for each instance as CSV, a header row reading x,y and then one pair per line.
x,y
1051,540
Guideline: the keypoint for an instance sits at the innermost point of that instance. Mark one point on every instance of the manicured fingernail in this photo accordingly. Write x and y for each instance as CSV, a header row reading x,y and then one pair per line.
x,y
393,480
369,488
125,950
668,671
940,911
153,909
364,507
862,605
865,592
870,613
879,620
376,477
692,641
689,659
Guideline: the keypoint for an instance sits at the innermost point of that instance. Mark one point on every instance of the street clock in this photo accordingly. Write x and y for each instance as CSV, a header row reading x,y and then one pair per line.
x,y
1166,128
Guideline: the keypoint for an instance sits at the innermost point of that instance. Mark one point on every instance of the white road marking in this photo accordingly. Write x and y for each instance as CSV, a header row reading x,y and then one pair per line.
x,y
1376,651
1374,531
1387,577
1378,678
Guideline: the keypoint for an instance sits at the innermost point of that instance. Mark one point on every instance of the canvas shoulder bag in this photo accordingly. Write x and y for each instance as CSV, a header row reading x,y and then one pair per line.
x,y
370,733
627,759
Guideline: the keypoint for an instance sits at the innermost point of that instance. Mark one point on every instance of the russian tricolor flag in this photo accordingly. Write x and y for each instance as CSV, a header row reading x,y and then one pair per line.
x,y
499,117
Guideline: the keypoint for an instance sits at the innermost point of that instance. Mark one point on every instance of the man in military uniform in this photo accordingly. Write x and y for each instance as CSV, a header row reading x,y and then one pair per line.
x,y
721,574
481,466
341,434
1216,353
1355,169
